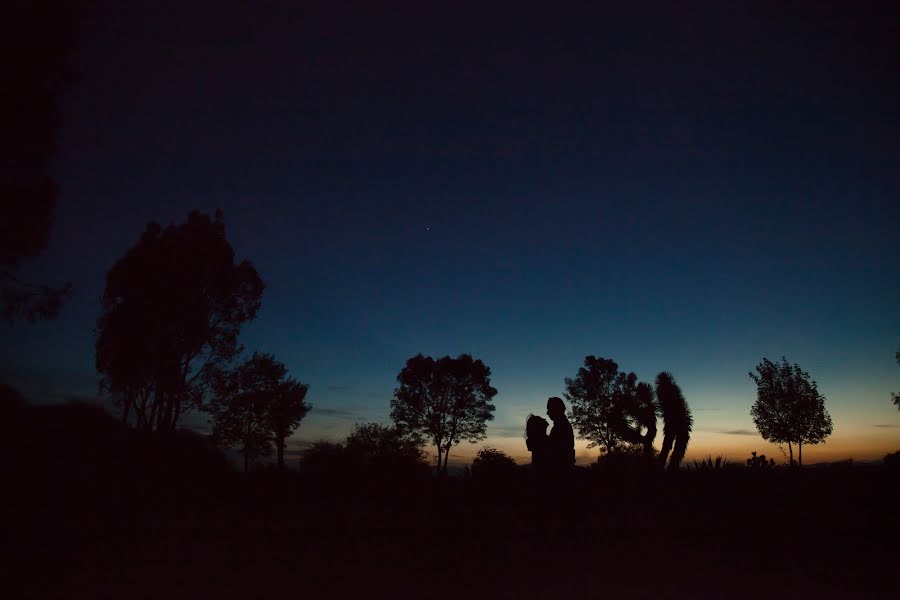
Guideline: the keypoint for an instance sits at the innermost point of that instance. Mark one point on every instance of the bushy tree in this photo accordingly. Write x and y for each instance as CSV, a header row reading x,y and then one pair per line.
x,y
257,404
370,449
610,408
173,307
640,411
789,408
491,463
677,420
384,448
446,400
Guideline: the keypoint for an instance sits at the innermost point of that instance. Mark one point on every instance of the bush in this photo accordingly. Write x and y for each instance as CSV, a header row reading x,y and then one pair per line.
x,y
491,463
759,463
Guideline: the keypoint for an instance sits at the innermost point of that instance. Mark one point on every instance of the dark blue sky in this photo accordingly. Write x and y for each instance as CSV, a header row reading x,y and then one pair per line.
x,y
678,188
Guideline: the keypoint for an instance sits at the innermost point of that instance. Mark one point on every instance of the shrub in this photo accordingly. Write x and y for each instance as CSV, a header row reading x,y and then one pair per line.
x,y
491,463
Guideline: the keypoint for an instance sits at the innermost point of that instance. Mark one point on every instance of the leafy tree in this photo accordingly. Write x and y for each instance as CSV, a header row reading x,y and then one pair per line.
x,y
677,420
173,307
640,412
37,38
491,463
287,404
789,408
446,400
605,407
370,449
383,448
324,459
257,404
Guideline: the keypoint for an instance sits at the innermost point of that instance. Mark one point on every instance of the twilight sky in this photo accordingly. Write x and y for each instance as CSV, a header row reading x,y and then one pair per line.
x,y
677,187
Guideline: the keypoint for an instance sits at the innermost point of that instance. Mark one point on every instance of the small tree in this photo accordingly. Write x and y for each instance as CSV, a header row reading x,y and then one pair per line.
x,y
383,448
256,404
287,406
491,463
789,408
446,400
600,398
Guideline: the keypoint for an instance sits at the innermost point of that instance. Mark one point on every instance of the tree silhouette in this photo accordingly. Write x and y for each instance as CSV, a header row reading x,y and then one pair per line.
x,y
287,404
789,408
640,412
446,400
172,310
256,404
36,41
677,420
491,463
370,449
602,401
383,448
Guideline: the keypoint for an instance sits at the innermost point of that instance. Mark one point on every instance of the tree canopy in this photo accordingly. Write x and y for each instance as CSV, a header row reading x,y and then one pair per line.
x,y
446,400
610,408
257,404
789,408
37,38
173,307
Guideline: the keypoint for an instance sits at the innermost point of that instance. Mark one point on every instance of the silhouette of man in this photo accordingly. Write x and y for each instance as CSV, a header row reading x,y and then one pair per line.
x,y
561,441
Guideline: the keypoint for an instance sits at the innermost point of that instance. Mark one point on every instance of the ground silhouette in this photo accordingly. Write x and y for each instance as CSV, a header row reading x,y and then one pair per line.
x,y
115,512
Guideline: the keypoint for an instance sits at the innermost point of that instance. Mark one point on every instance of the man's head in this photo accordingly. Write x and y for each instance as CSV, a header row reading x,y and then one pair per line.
x,y
555,408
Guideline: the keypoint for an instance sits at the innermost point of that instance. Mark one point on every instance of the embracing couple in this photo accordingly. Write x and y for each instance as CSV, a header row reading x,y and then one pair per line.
x,y
553,452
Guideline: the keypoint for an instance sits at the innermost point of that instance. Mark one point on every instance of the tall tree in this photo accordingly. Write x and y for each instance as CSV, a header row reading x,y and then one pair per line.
x,y
677,420
599,399
255,404
173,307
446,400
37,38
789,408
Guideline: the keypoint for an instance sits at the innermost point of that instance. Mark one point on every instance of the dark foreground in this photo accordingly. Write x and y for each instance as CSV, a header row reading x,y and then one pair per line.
x,y
151,523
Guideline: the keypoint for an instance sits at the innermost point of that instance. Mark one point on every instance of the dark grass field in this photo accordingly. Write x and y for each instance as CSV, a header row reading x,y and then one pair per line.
x,y
112,515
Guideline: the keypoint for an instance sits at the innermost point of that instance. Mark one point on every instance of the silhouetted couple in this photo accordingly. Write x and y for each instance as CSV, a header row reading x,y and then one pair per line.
x,y
553,453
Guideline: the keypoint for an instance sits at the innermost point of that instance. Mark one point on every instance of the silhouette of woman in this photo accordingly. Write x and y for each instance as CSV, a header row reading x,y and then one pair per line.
x,y
536,441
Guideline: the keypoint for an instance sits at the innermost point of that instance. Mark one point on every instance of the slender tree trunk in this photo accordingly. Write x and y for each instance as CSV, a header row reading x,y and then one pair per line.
x,y
446,458
800,452
440,455
279,444
791,453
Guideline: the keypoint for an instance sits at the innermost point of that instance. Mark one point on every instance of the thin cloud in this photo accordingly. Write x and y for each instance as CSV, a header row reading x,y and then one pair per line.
x,y
737,431
887,425
335,412
506,431
338,387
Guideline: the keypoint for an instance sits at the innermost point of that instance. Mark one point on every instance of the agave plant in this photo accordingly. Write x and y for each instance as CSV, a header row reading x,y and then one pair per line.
x,y
708,465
